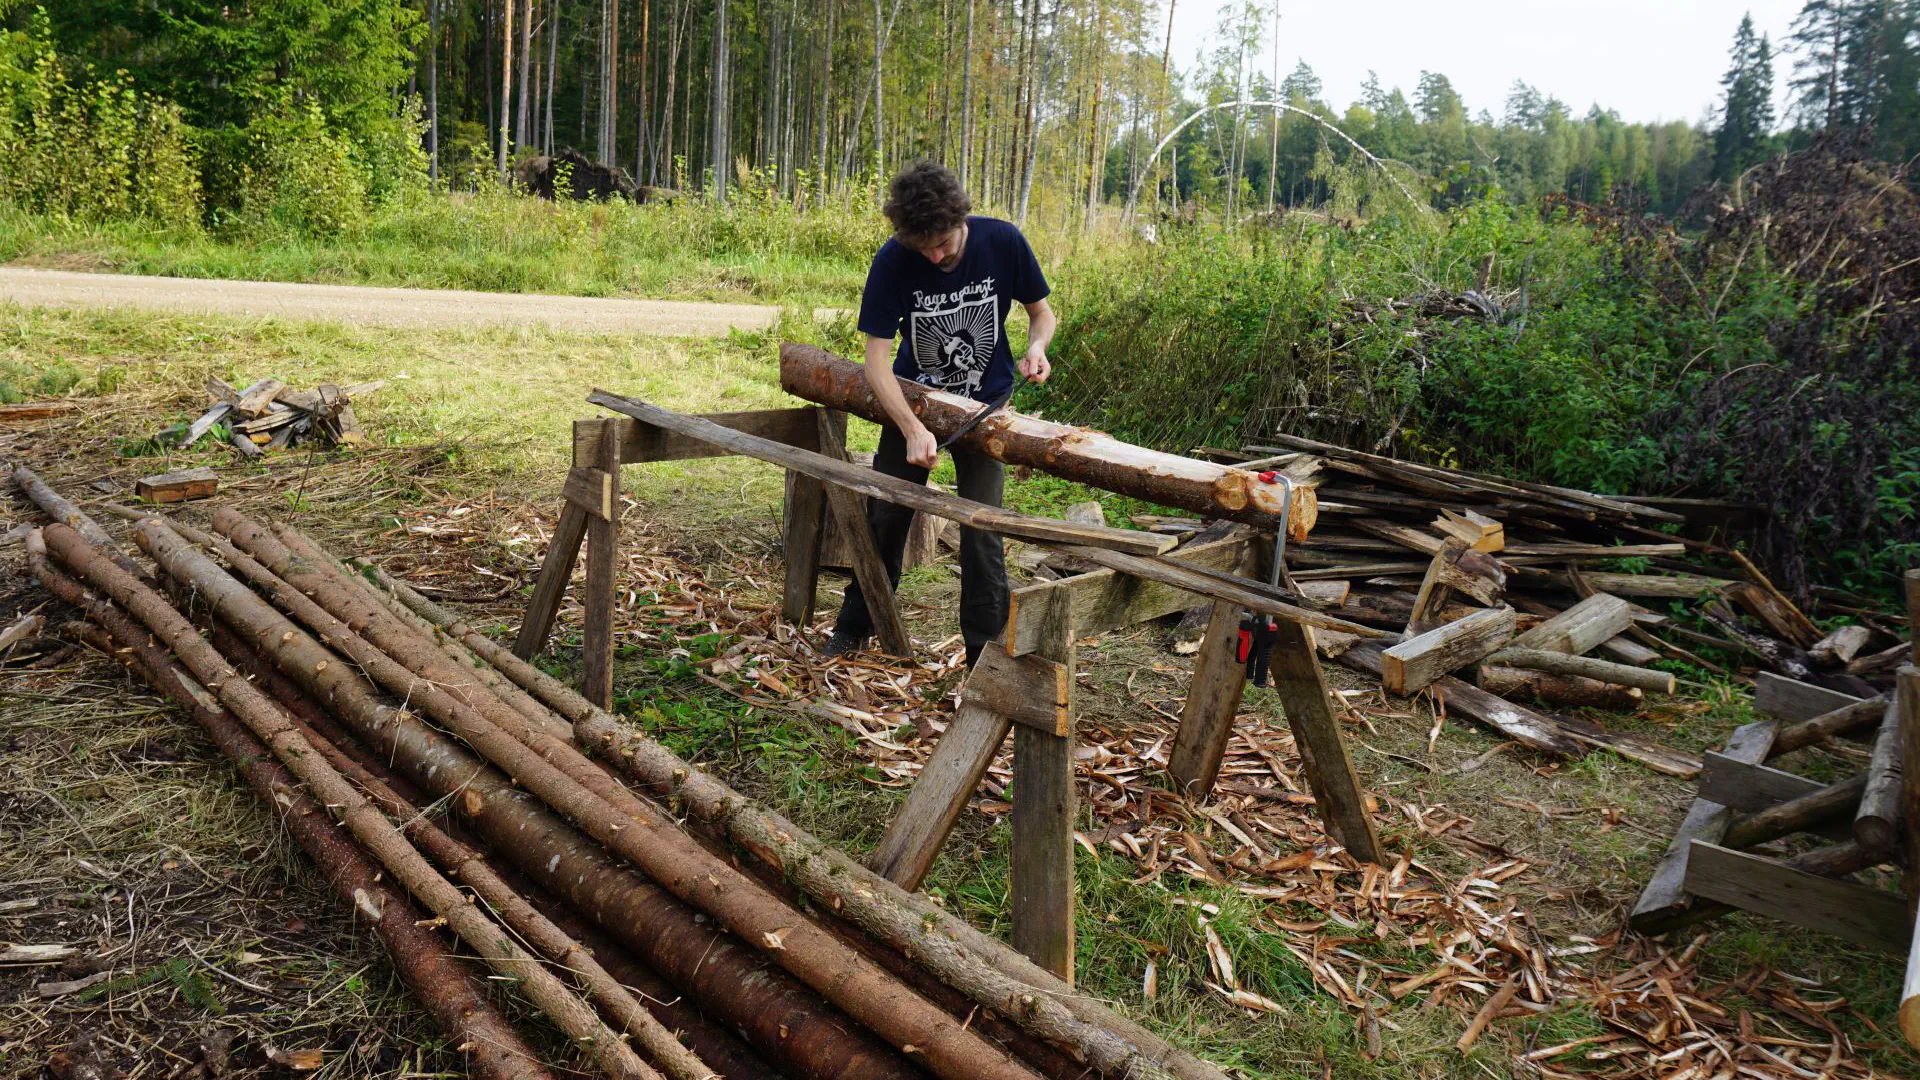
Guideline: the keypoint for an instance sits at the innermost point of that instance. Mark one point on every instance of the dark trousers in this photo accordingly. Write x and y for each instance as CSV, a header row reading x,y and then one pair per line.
x,y
983,562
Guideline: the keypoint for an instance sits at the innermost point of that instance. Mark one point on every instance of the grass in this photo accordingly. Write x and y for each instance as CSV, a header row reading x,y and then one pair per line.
x,y
483,415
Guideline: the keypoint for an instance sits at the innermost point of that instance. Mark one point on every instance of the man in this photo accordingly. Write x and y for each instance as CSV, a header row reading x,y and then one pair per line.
x,y
950,278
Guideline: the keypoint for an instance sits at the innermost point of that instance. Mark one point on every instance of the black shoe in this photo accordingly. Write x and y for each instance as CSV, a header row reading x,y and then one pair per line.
x,y
843,644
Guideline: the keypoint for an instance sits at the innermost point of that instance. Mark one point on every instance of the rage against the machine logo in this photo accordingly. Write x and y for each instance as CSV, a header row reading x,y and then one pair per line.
x,y
954,336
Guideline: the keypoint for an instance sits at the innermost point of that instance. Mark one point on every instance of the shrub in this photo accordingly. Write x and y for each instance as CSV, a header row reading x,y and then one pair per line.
x,y
287,173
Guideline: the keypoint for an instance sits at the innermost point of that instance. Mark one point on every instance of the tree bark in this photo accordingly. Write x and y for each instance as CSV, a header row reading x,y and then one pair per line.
x,y
1072,453
567,781
718,110
506,83
437,978
271,725
987,970
1572,691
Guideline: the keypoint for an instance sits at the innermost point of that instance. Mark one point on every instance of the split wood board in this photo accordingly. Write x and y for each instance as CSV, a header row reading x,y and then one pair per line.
x,y
1750,787
1029,690
177,486
1415,663
1663,904
642,442
1790,699
1107,600
1865,916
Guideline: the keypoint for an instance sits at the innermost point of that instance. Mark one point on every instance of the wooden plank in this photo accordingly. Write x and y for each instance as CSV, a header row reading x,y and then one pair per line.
x,y
1030,690
905,854
1747,786
1663,904
550,588
1865,916
1302,689
1677,586
590,490
1255,596
805,523
1790,699
1622,649
1405,535
34,410
642,442
1907,696
1480,532
603,552
177,486
1213,697
254,400
205,423
1107,600
1043,820
1462,698
1415,663
891,489
1912,583
868,569
1581,627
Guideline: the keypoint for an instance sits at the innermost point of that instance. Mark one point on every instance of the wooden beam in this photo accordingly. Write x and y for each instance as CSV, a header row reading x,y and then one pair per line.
x,y
805,523
642,442
1415,663
876,589
1106,600
1663,904
1877,823
1912,581
1030,690
550,588
603,554
1302,689
1213,697
591,490
948,779
1623,649
1790,700
888,488
1043,821
177,486
1907,700
1406,536
1481,532
1581,627
1865,916
1748,786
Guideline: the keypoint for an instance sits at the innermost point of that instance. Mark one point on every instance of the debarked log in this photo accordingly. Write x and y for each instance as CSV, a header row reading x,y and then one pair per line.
x,y
426,964
1090,457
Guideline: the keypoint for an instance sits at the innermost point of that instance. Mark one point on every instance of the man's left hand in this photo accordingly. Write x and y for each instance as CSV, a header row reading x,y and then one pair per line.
x,y
1035,365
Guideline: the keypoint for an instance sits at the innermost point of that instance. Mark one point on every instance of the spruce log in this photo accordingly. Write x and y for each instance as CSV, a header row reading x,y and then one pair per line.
x,y
1877,824
274,727
1829,803
567,781
1825,726
1581,627
56,506
1415,663
1559,663
1090,457
439,980
1571,691
775,1013
876,485
986,969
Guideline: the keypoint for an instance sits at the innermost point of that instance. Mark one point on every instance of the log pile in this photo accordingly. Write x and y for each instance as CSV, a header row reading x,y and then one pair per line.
x,y
270,415
350,703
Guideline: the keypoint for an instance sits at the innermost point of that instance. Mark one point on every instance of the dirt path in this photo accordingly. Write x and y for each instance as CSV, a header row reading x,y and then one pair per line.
x,y
369,306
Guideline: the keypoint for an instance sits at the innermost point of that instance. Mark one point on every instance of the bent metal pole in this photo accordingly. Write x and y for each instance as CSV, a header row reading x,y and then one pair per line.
x,y
1074,453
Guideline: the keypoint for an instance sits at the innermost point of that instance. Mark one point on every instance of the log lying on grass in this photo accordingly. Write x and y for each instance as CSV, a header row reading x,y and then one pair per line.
x,y
560,776
1558,663
1516,722
439,980
985,969
273,726
1090,457
1571,691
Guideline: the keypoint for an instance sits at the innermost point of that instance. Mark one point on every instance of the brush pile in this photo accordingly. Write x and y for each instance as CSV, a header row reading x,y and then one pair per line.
x,y
755,949
1502,587
270,415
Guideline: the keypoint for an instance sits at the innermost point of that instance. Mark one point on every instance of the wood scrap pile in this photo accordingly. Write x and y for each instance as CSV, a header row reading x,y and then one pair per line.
x,y
270,415
750,947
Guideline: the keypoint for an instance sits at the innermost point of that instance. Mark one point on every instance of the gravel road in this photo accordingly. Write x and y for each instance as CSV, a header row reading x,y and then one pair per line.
x,y
369,306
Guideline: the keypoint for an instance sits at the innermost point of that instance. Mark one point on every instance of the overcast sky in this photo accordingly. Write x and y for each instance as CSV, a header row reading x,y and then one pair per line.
x,y
1645,59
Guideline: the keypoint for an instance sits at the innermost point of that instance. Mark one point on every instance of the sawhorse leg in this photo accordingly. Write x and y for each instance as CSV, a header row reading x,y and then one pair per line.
x,y
1302,689
1043,820
867,567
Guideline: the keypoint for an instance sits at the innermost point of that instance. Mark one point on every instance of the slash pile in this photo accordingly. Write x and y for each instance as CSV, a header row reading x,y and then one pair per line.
x,y
350,702
270,415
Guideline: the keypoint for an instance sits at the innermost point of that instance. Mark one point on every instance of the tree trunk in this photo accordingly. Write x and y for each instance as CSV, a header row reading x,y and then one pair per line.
x,y
640,120
433,90
718,108
506,83
553,46
1074,453
966,99
522,114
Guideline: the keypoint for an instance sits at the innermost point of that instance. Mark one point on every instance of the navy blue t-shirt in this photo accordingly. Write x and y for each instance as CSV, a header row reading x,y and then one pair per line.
x,y
955,332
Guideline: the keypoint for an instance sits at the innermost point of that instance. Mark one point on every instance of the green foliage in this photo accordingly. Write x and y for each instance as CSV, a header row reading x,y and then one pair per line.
x,y
82,145
19,382
288,173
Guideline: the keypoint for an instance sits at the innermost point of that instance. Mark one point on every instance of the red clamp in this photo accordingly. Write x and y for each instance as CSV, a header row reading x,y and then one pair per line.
x,y
1270,477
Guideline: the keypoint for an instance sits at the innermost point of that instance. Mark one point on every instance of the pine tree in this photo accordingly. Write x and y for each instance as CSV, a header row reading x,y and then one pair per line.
x,y
1746,117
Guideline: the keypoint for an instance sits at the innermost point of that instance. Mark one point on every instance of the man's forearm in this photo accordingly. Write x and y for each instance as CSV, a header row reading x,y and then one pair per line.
x,y
886,387
1040,329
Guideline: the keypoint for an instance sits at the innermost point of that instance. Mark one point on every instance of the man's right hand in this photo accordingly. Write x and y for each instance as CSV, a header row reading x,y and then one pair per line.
x,y
922,449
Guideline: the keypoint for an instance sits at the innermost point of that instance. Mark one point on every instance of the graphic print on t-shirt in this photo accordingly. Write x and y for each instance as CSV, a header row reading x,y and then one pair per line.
x,y
953,344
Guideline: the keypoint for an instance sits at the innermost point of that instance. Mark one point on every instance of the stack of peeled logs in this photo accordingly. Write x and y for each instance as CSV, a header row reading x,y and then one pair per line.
x,y
664,923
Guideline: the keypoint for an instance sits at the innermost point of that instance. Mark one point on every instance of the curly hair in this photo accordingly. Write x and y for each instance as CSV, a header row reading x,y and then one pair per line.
x,y
926,201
